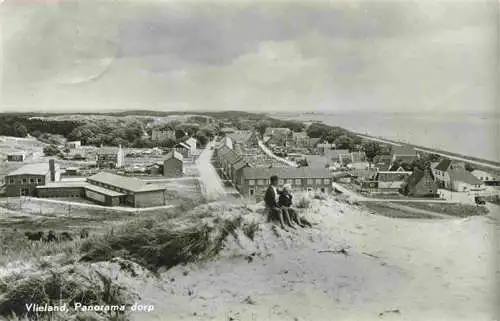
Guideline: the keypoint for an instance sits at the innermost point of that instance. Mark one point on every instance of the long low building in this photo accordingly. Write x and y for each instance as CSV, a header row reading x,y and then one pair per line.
x,y
254,181
44,180
109,190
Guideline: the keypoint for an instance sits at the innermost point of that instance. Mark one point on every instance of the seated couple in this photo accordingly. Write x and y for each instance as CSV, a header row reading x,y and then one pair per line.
x,y
279,202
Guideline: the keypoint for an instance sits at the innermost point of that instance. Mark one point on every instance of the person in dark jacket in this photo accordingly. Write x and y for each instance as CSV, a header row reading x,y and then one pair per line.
x,y
271,198
286,202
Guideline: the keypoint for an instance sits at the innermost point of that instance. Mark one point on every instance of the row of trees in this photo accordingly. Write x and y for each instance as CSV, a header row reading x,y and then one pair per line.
x,y
21,126
262,125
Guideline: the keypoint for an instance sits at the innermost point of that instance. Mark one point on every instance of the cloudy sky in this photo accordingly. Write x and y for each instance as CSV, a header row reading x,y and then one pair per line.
x,y
417,56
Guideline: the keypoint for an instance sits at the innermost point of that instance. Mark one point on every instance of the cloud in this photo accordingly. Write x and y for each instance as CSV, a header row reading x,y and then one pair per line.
x,y
368,55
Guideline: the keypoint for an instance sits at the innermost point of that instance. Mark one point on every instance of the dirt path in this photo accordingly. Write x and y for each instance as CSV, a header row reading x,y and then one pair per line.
x,y
211,184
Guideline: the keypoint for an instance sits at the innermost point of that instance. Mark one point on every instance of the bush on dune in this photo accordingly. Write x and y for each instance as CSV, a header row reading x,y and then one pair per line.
x,y
154,244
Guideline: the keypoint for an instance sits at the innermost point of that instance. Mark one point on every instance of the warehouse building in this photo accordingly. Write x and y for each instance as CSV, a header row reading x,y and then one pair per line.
x,y
107,189
127,190
173,164
24,180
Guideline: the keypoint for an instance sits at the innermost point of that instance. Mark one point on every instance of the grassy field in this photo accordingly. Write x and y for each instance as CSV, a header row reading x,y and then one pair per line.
x,y
459,210
386,210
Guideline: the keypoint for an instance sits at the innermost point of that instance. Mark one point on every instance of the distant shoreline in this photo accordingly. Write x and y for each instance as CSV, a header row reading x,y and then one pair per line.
x,y
487,163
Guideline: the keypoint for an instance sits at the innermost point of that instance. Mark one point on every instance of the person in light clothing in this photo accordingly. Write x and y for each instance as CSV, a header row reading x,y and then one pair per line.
x,y
285,203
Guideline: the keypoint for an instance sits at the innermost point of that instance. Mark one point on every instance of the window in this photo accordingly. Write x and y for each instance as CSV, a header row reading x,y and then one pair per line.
x,y
260,182
309,189
298,181
309,181
318,181
252,192
32,180
11,181
251,182
327,181
39,180
25,180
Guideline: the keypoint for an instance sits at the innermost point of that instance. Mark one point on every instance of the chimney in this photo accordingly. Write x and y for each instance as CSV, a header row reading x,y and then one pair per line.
x,y
52,170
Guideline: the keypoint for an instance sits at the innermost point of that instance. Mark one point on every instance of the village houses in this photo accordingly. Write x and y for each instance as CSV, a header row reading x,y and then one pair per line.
x,y
453,176
173,164
277,136
110,157
244,137
403,154
420,184
73,144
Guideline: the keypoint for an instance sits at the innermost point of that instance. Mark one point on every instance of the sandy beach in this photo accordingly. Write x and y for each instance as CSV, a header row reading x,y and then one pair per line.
x,y
395,269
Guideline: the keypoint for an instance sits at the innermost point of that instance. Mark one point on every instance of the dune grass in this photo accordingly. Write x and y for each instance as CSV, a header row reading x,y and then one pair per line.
x,y
60,272
157,244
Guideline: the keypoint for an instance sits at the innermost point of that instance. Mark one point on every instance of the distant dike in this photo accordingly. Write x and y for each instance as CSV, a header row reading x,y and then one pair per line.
x,y
389,141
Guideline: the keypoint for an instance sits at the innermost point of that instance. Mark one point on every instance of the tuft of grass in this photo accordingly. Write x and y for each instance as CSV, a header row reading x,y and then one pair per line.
x,y
58,287
304,202
250,229
320,196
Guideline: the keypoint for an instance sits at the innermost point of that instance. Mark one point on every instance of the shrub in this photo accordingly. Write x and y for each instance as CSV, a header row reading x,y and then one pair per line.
x,y
250,229
304,202
164,244
67,286
320,196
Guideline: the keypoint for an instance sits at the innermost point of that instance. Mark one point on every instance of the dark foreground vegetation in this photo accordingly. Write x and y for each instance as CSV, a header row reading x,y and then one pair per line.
x,y
84,271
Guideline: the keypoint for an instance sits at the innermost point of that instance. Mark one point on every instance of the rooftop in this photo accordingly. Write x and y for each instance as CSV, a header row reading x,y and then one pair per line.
x,y
286,172
277,131
124,182
33,169
240,136
417,177
81,184
462,175
444,165
174,154
108,150
232,156
183,145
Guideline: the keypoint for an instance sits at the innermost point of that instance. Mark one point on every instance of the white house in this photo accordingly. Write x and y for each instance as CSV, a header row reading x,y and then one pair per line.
x,y
73,144
453,176
483,176
191,142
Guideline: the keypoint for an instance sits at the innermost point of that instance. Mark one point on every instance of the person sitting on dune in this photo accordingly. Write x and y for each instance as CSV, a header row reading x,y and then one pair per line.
x,y
285,202
271,199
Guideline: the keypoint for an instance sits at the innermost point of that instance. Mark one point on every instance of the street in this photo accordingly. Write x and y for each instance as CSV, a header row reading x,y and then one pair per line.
x,y
271,154
211,185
